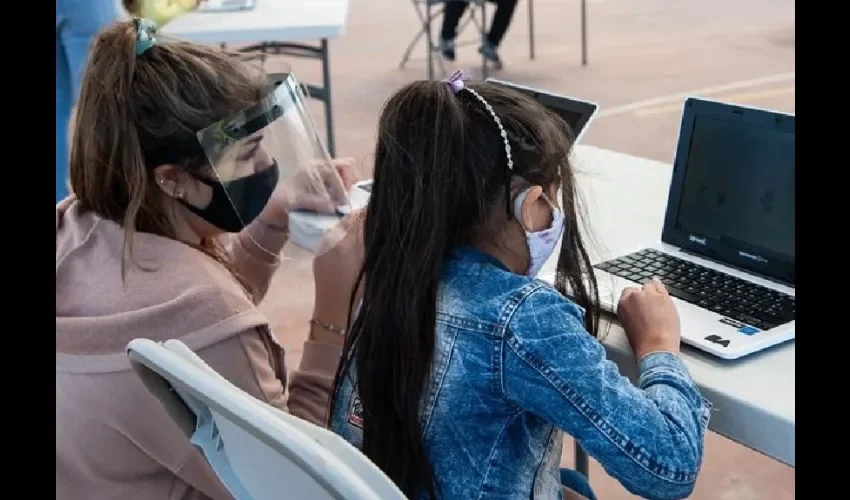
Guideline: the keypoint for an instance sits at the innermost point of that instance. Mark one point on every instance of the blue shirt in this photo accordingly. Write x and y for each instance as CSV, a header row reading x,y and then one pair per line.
x,y
513,367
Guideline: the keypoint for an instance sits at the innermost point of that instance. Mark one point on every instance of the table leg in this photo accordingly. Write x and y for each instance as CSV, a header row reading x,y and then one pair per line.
x,y
531,29
584,32
484,70
326,83
581,462
429,40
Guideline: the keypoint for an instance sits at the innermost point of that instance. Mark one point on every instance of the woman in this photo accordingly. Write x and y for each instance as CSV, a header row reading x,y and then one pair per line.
x,y
138,255
77,21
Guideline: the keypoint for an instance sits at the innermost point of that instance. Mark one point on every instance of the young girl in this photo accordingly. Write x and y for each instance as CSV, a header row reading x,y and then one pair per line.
x,y
460,369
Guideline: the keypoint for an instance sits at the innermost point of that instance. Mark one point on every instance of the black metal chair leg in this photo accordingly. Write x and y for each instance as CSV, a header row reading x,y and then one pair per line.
x,y
531,29
412,45
584,32
484,69
430,41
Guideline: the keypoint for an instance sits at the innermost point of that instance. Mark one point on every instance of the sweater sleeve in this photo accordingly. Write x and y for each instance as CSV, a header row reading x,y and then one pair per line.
x,y
254,362
255,253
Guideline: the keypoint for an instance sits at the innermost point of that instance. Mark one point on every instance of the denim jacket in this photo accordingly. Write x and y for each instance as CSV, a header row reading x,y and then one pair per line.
x,y
513,368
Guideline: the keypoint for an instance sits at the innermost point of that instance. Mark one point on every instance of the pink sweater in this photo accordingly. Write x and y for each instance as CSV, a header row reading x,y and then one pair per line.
x,y
113,438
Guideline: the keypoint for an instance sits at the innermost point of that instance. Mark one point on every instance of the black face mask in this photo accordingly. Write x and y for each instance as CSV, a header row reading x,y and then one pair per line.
x,y
249,196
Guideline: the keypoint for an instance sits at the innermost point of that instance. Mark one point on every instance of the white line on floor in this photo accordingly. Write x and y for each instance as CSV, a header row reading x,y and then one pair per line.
x,y
745,98
679,97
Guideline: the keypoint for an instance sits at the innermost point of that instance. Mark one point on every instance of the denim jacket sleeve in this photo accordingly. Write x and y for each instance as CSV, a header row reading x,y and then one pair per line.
x,y
650,437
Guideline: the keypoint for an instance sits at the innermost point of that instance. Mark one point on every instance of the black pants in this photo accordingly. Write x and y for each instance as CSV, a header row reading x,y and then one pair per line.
x,y
501,20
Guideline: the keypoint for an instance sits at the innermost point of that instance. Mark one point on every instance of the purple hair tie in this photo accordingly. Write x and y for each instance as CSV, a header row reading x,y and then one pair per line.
x,y
455,82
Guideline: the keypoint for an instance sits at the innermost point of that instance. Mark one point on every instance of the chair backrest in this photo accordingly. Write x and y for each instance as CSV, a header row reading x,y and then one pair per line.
x,y
257,451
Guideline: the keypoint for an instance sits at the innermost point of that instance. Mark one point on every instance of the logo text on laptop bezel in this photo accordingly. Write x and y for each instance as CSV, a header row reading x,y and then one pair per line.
x,y
753,257
698,239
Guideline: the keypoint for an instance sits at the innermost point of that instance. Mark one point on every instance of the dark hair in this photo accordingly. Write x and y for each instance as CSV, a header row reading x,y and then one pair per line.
x,y
136,113
441,180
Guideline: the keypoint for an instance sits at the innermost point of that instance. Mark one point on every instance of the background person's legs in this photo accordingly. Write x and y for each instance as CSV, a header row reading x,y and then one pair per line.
x,y
77,23
452,13
64,101
501,20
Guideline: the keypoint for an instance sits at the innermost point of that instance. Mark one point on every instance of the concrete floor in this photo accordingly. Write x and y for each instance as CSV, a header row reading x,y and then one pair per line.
x,y
645,57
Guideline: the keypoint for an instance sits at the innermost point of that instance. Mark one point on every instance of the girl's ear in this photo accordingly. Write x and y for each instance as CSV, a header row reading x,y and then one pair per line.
x,y
535,211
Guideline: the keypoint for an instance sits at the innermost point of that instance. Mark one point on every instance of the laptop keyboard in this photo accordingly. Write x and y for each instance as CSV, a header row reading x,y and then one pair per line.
x,y
719,292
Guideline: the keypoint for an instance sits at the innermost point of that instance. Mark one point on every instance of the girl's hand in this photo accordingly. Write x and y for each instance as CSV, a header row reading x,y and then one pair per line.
x,y
649,318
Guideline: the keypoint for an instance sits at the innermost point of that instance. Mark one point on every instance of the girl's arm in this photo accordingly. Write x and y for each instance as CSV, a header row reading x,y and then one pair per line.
x,y
649,437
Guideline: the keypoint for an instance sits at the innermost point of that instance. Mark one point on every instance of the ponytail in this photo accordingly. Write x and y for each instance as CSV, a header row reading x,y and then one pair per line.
x,y
425,199
109,159
410,225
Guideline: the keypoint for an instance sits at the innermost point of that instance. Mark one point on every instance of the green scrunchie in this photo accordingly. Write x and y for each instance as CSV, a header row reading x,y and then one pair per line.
x,y
145,31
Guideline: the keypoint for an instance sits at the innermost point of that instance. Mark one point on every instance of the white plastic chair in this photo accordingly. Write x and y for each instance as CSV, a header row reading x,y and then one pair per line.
x,y
258,452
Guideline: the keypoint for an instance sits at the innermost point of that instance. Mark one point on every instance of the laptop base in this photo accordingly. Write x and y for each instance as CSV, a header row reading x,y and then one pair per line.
x,y
722,334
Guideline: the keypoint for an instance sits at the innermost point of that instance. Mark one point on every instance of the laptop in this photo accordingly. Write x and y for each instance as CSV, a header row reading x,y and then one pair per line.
x,y
727,249
226,5
577,113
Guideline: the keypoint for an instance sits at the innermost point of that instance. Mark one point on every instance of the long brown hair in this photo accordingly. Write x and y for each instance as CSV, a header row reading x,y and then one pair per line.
x,y
137,112
441,180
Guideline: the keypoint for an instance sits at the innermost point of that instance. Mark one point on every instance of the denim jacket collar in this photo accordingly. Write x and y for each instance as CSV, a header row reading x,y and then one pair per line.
x,y
468,253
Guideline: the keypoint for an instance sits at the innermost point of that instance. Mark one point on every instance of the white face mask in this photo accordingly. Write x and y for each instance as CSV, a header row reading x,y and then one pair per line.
x,y
542,243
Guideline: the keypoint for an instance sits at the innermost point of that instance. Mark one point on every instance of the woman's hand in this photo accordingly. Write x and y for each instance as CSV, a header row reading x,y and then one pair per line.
x,y
320,190
336,266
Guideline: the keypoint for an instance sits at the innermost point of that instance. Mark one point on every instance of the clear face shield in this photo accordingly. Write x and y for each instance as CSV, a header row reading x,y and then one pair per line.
x,y
269,161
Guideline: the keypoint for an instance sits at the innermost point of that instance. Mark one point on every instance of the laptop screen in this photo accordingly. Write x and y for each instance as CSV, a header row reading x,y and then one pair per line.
x,y
576,112
574,119
737,188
